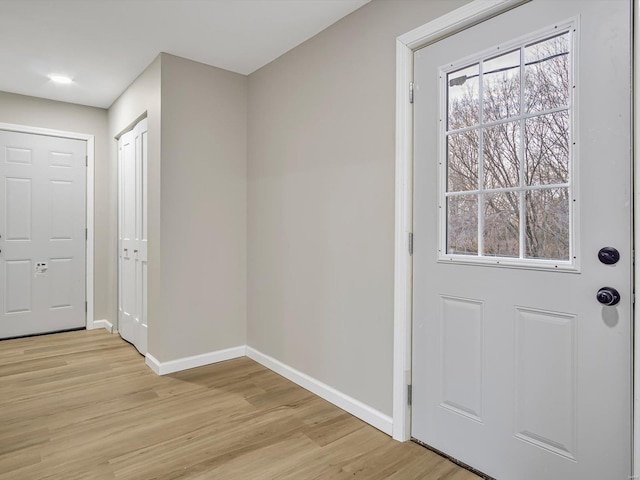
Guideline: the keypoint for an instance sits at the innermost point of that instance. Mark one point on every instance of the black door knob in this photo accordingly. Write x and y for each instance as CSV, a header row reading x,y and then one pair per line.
x,y
608,255
608,296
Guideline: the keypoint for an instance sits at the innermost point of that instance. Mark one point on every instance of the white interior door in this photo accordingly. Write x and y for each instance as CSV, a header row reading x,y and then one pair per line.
x,y
132,272
522,174
42,233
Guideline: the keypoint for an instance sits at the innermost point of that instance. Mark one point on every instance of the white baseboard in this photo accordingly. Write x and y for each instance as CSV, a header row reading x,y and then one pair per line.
x,y
163,368
355,407
106,324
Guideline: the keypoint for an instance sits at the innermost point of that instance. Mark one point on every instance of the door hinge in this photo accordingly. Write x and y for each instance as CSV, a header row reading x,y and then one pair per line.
x,y
409,394
410,92
86,308
410,243
86,160
86,234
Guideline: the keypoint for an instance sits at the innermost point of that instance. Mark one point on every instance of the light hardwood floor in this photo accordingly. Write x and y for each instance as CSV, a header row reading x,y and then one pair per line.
x,y
83,405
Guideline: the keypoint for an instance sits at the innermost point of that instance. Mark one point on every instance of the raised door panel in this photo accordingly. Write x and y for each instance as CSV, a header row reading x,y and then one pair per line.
x,y
17,286
18,209
62,282
17,155
462,356
128,212
61,204
545,400
61,159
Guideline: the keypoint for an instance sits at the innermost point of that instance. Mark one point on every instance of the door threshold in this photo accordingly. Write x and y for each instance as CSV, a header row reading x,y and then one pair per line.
x,y
475,471
44,333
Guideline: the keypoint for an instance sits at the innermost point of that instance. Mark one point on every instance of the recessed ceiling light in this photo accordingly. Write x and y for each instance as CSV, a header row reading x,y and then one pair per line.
x,y
60,79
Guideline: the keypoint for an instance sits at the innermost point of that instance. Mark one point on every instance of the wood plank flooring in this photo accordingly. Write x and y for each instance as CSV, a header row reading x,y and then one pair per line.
x,y
82,405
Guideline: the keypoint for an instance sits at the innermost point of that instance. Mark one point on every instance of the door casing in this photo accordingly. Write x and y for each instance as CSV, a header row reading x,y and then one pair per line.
x,y
475,12
89,271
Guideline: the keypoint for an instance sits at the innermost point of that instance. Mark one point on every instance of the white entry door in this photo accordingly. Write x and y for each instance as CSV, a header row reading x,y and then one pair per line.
x,y
42,233
132,271
522,169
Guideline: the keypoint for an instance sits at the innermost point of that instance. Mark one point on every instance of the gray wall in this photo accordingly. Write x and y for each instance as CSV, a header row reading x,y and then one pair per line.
x,y
37,112
197,203
320,165
203,210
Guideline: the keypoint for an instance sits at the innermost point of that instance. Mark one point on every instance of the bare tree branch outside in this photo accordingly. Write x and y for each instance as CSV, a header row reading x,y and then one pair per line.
x,y
508,146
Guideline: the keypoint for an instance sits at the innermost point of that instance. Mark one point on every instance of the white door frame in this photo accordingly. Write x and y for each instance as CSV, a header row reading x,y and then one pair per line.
x,y
457,20
90,139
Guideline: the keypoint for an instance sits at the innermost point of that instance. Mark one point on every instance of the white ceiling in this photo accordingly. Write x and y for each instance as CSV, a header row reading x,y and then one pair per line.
x,y
105,44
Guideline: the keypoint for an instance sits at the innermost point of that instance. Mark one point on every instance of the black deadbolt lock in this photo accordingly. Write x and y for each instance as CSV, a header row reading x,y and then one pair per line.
x,y
608,255
608,296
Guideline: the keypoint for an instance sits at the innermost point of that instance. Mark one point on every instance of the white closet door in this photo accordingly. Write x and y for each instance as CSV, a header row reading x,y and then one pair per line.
x,y
42,233
132,247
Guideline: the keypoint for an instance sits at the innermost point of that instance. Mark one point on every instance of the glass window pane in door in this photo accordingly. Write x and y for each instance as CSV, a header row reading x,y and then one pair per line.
x,y
547,224
501,158
547,149
547,74
502,224
463,98
462,224
462,161
501,86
